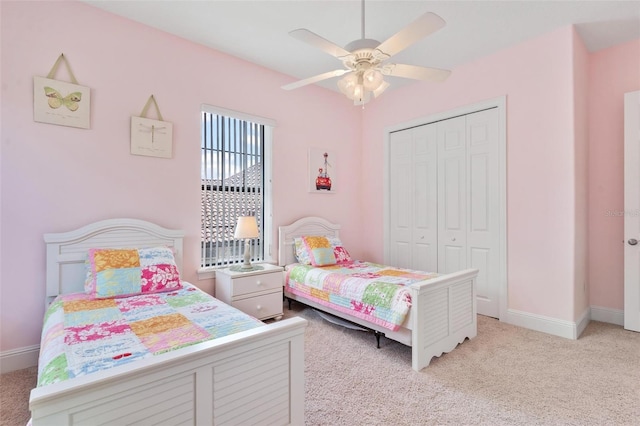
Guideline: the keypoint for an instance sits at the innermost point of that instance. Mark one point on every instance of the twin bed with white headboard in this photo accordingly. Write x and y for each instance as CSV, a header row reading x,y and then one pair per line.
x,y
253,376
442,313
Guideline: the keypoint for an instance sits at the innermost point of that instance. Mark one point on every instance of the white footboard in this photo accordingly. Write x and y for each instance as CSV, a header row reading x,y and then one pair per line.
x,y
256,376
444,311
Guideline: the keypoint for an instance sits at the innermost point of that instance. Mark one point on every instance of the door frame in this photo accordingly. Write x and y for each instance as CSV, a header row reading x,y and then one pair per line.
x,y
501,104
631,209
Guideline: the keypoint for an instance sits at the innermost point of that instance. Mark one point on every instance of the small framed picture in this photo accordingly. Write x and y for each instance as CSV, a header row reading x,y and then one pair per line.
x,y
322,171
152,138
62,103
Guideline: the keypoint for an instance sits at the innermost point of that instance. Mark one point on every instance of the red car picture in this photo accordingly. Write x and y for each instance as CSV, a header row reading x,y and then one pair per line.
x,y
323,181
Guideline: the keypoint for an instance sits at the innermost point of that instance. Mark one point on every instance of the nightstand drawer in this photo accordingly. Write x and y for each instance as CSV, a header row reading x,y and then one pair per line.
x,y
255,283
265,306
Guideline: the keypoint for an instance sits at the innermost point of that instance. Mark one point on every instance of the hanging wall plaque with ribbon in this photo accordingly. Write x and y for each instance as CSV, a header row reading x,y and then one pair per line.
x,y
151,137
60,102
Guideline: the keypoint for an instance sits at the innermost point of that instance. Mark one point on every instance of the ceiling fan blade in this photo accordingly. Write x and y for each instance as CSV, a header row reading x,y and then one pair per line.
x,y
420,28
416,73
315,79
319,42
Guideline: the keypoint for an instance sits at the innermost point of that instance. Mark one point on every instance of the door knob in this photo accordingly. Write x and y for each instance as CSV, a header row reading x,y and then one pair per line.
x,y
633,242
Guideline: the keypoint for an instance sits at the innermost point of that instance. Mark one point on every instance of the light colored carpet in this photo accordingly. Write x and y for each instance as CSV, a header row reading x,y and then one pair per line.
x,y
14,396
505,376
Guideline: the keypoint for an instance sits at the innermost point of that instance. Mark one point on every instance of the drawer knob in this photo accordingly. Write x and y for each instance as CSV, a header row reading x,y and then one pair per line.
x,y
258,282
259,307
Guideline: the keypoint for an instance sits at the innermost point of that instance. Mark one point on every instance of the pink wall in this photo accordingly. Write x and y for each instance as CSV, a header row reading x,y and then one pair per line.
x,y
612,73
57,178
537,78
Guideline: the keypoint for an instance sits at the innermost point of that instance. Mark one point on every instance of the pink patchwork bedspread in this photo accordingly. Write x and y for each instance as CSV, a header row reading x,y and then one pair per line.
x,y
369,291
82,335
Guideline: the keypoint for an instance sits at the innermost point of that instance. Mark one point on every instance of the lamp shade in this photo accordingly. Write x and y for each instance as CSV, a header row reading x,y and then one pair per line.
x,y
247,227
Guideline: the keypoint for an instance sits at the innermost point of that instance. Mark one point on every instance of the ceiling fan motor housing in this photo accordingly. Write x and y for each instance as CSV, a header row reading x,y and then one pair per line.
x,y
363,43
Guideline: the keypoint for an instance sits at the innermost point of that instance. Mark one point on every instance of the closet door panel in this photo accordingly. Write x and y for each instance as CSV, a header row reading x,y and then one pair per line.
x,y
401,196
483,225
425,184
452,195
479,193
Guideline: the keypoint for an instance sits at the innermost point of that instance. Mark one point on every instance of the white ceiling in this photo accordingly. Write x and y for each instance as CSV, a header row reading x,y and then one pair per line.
x,y
257,30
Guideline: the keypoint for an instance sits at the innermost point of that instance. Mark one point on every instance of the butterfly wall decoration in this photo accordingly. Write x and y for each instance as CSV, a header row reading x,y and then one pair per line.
x,y
60,102
56,100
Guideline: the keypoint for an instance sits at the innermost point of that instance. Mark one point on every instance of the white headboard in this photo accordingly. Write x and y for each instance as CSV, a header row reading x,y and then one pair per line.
x,y
306,226
67,251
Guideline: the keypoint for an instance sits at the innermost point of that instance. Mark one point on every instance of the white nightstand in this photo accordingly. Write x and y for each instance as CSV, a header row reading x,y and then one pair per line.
x,y
257,293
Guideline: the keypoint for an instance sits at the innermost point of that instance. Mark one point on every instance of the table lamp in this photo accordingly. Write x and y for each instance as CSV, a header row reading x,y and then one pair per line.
x,y
246,228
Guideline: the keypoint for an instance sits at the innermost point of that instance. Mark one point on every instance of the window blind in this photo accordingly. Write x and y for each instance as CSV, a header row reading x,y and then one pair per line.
x,y
232,186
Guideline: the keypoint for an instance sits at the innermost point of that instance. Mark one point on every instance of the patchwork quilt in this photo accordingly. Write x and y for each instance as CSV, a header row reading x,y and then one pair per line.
x,y
369,291
82,335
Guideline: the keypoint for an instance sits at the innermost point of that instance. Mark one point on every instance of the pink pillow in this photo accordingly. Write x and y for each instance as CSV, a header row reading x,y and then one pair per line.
x,y
127,272
321,251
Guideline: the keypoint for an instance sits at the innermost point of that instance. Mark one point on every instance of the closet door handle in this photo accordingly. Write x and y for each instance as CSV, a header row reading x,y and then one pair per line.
x,y
632,242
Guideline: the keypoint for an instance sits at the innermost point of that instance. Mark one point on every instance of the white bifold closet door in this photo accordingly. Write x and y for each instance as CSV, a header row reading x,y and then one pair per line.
x,y
444,195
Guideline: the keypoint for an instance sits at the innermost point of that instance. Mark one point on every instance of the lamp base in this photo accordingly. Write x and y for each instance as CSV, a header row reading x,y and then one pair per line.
x,y
243,268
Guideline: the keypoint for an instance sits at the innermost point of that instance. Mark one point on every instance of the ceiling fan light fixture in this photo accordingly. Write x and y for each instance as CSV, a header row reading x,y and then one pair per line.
x,y
359,85
347,83
381,88
372,79
358,92
366,96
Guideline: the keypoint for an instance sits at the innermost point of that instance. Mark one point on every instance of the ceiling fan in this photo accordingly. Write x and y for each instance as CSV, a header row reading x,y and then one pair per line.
x,y
365,60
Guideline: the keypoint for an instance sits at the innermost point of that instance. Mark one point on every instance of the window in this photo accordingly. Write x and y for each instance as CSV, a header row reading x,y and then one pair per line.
x,y
235,179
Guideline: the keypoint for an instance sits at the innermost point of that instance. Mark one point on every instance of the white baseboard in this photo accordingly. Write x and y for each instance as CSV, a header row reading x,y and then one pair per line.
x,y
557,327
17,359
583,322
562,328
612,316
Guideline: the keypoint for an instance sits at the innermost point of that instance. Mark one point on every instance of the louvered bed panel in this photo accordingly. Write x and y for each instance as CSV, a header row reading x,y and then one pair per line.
x,y
434,318
461,306
445,315
160,402
253,388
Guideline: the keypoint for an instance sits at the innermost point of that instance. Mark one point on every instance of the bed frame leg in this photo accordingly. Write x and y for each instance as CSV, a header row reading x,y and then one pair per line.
x,y
288,300
377,334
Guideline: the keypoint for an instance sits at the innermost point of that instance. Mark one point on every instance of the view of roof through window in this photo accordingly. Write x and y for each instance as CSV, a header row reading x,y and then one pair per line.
x,y
232,182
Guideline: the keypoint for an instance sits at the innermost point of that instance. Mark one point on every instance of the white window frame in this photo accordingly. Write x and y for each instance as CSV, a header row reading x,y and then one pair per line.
x,y
267,167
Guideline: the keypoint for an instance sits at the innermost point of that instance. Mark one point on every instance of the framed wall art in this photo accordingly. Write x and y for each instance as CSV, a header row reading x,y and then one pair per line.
x,y
60,102
151,137
322,171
